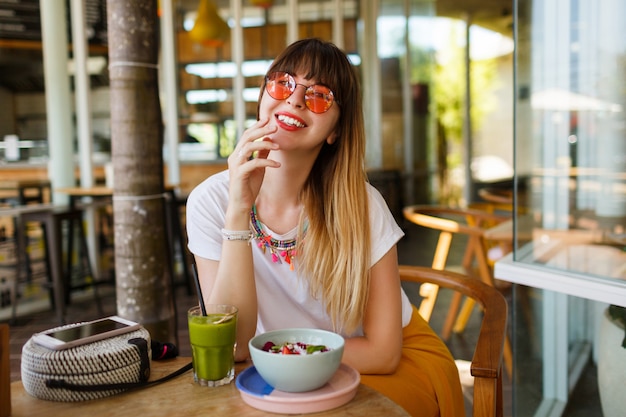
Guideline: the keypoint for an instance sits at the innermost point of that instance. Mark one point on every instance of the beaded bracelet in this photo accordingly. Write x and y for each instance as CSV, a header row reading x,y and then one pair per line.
x,y
243,235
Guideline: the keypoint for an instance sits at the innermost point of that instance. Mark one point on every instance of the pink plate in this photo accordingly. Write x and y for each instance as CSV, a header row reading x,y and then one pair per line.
x,y
258,394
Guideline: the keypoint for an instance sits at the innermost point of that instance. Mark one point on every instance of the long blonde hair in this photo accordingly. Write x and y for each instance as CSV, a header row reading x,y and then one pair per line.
x,y
335,253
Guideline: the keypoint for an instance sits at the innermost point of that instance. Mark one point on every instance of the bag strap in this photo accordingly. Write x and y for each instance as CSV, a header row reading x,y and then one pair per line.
x,y
144,373
61,383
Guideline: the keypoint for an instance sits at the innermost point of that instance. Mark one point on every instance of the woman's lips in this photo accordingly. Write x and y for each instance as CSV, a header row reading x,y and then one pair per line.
x,y
289,121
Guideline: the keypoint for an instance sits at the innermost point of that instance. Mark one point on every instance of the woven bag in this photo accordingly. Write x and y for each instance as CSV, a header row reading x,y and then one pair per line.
x,y
108,363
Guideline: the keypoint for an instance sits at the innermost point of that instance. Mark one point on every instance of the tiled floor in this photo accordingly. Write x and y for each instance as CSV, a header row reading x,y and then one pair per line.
x,y
415,249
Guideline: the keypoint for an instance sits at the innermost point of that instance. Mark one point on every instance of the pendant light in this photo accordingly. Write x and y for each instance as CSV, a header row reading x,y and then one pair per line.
x,y
266,4
209,28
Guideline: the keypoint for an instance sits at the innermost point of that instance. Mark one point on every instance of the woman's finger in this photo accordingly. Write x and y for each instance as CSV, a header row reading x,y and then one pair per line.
x,y
261,146
264,152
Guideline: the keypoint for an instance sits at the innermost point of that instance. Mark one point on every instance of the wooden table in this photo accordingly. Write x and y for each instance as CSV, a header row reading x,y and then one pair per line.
x,y
98,191
503,233
182,397
76,193
527,230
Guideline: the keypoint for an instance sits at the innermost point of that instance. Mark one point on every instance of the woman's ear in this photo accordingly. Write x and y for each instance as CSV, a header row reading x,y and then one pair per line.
x,y
332,138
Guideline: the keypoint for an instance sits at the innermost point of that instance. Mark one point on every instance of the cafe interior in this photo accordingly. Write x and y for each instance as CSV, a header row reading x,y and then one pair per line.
x,y
495,132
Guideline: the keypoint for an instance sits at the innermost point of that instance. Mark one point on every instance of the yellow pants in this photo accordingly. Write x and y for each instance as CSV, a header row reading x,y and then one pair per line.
x,y
426,382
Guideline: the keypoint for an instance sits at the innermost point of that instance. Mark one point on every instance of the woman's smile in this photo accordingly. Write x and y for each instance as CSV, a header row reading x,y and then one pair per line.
x,y
289,121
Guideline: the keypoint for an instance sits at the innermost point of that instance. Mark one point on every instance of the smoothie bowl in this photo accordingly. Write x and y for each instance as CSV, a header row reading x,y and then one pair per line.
x,y
296,360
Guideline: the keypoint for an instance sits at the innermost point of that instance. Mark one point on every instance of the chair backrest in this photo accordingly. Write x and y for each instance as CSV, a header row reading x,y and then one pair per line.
x,y
451,221
496,195
487,361
5,372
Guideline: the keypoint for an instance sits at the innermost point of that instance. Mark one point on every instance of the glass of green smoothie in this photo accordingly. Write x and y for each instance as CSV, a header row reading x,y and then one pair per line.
x,y
213,341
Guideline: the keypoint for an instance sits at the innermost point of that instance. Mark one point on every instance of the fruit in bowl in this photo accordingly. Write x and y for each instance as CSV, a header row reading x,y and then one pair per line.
x,y
296,360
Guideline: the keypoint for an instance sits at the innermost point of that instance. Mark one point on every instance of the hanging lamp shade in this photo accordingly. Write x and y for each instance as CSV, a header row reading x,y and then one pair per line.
x,y
266,4
209,28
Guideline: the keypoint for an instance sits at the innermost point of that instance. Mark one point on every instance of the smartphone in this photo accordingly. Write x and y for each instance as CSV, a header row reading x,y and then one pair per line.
x,y
84,333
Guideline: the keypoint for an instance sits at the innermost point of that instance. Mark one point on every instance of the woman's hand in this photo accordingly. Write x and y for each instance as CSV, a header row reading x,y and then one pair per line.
x,y
231,280
247,172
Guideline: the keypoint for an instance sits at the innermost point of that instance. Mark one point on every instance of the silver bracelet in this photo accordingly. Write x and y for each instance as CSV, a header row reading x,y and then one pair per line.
x,y
243,235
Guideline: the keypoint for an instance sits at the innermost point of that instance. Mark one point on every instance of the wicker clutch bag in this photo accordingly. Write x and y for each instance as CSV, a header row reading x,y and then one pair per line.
x,y
86,372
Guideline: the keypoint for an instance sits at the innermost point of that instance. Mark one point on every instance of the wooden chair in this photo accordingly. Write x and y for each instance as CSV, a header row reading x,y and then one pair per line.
x,y
476,262
501,201
5,372
487,361
496,195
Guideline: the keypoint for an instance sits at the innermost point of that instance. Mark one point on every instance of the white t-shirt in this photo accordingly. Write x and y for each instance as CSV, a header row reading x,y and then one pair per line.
x,y
284,299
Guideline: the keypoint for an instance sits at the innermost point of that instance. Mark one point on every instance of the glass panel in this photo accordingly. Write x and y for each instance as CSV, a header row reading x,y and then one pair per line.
x,y
570,178
553,338
570,137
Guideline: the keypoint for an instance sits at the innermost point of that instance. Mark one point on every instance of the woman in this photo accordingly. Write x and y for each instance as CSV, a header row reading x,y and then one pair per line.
x,y
294,236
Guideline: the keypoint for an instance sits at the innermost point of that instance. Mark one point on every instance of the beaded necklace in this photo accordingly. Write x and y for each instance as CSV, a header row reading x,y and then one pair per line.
x,y
285,248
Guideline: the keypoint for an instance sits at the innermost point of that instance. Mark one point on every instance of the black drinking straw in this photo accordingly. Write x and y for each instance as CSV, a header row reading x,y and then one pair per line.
x,y
197,279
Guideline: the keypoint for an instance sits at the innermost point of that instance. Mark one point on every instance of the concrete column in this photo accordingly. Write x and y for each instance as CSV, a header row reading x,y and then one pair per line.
x,y
292,21
338,38
170,104
58,103
237,53
82,94
372,94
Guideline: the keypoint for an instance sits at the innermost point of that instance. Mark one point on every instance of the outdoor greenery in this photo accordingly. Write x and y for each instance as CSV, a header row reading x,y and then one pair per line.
x,y
444,72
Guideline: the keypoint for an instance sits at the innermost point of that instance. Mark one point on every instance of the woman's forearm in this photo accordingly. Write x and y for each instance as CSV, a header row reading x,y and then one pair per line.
x,y
371,358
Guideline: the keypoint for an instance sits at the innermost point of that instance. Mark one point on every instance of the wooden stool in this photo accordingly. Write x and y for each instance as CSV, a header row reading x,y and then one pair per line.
x,y
5,372
177,241
33,191
52,220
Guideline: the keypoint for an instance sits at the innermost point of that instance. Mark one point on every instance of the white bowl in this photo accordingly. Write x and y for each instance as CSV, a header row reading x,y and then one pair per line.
x,y
297,373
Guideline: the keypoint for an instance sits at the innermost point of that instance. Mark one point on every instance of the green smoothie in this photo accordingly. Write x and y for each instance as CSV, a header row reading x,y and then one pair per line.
x,y
212,345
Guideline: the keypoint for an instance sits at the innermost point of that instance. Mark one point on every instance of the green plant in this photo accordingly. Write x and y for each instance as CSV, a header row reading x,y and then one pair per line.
x,y
618,314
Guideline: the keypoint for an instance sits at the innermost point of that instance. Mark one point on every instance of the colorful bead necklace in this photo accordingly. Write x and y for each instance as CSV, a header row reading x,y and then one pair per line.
x,y
278,248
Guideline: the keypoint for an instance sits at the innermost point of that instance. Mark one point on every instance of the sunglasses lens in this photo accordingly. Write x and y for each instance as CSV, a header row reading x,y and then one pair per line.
x,y
318,98
280,85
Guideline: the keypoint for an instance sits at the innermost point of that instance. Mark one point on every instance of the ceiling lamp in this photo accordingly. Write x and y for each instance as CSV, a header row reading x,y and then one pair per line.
x,y
209,28
266,4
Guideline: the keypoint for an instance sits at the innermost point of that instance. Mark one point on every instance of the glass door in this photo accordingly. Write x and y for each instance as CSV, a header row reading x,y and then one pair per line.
x,y
570,177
